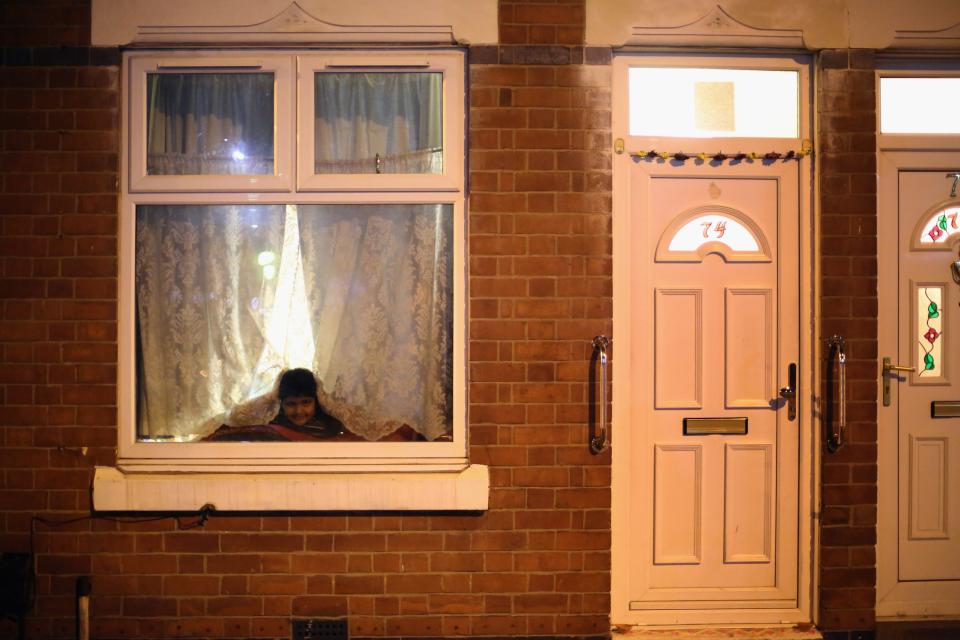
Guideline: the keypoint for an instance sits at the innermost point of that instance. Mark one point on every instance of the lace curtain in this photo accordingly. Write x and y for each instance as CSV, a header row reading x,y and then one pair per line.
x,y
202,305
382,309
378,122
228,297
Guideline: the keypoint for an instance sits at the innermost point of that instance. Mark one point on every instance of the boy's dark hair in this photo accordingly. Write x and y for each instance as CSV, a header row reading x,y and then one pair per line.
x,y
297,382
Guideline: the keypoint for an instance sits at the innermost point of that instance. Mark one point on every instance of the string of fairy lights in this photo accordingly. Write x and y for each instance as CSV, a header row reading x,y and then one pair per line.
x,y
805,150
740,156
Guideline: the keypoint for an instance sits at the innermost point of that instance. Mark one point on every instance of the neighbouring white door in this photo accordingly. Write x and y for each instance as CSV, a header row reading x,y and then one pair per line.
x,y
919,422
707,527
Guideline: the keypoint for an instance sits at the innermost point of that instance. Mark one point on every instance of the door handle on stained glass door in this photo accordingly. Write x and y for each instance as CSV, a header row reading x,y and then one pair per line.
x,y
789,392
890,370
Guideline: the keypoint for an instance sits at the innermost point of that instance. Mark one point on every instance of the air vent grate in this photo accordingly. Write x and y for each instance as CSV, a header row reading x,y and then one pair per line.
x,y
320,629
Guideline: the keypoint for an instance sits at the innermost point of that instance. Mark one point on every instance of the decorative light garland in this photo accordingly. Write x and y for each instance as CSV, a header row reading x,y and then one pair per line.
x,y
720,156
806,149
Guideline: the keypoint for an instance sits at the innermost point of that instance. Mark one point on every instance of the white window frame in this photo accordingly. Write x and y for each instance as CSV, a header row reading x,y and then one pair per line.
x,y
451,179
138,67
151,475
912,141
707,144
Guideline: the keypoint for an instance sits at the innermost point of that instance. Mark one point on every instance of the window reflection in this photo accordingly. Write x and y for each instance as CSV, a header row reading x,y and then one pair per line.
x,y
210,123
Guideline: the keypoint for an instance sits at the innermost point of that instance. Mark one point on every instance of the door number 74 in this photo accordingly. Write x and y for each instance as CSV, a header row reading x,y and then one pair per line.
x,y
718,229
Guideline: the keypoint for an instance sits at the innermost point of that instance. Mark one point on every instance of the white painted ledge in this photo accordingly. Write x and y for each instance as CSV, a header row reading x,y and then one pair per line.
x,y
464,490
279,22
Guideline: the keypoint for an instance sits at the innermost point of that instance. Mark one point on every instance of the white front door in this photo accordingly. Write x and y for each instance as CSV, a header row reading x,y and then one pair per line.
x,y
919,430
708,475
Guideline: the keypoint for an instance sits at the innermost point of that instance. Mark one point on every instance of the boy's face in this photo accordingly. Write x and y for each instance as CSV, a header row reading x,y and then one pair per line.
x,y
299,409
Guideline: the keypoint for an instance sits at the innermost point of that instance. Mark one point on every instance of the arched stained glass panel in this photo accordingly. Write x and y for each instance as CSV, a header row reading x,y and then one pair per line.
x,y
940,227
712,229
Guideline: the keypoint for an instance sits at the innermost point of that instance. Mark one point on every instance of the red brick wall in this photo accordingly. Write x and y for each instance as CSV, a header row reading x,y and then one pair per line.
x,y
848,243
45,23
537,563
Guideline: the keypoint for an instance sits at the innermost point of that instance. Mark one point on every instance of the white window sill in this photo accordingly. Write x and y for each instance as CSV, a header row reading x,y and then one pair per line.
x,y
467,489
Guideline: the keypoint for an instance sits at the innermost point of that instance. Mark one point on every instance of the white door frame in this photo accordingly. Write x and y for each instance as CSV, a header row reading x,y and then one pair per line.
x,y
896,599
807,534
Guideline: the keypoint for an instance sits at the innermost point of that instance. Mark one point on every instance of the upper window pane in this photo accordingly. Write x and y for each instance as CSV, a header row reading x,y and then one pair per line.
x,y
919,105
210,123
379,122
705,103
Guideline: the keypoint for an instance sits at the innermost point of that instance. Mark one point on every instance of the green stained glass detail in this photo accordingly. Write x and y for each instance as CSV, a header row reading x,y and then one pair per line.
x,y
928,363
943,222
932,311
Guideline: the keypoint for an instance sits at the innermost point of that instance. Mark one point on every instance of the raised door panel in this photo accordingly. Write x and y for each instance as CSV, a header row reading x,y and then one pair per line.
x,y
748,347
678,477
678,331
928,508
748,503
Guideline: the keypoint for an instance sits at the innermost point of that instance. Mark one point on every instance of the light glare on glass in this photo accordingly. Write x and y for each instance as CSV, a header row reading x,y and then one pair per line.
x,y
919,105
702,103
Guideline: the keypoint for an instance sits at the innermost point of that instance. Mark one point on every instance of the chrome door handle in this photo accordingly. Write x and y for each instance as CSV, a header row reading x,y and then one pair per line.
x,y
789,392
894,369
598,442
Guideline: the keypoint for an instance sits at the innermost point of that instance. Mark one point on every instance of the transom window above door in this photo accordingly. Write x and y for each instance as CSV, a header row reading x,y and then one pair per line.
x,y
919,105
701,102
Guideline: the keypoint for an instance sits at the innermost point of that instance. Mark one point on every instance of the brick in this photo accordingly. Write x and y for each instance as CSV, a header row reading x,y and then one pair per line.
x,y
191,585
191,542
277,585
359,542
346,584
415,542
539,603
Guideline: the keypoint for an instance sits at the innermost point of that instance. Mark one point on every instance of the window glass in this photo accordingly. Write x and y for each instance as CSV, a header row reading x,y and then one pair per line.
x,y
360,296
919,105
930,310
381,122
210,123
714,228
940,227
699,102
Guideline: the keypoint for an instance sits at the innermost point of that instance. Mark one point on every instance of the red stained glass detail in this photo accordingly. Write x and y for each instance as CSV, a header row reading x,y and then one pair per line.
x,y
935,233
931,335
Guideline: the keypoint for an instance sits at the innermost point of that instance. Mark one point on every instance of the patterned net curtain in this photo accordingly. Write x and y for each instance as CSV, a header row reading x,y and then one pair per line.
x,y
378,122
